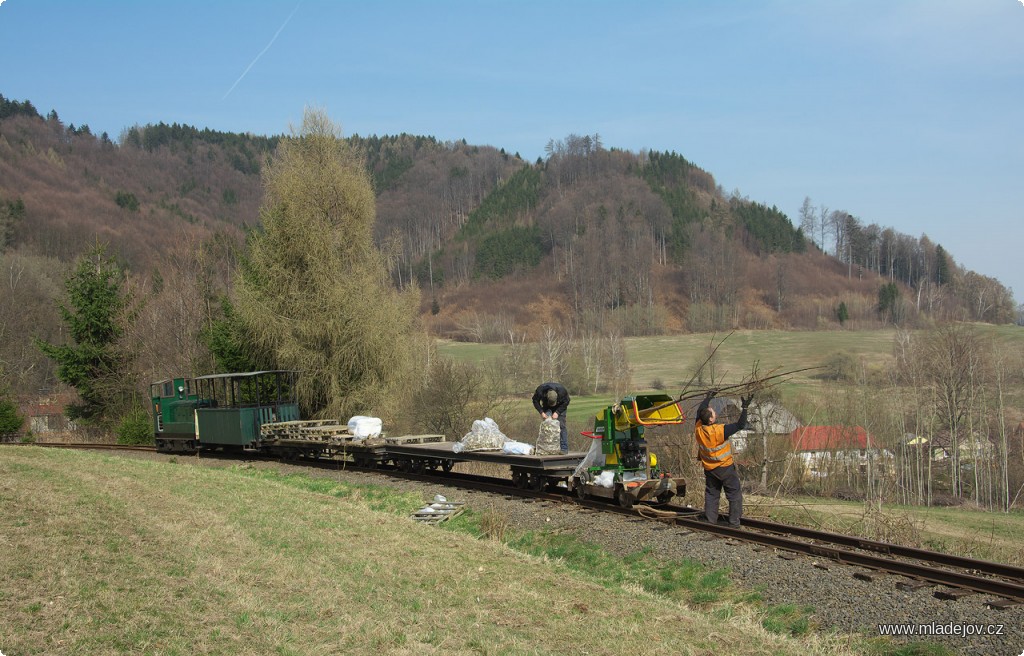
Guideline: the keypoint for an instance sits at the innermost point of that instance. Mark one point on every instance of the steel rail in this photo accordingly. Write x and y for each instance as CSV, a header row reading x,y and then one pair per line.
x,y
983,566
84,446
1009,589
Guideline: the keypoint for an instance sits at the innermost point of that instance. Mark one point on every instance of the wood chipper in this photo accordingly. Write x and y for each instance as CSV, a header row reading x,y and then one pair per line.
x,y
618,465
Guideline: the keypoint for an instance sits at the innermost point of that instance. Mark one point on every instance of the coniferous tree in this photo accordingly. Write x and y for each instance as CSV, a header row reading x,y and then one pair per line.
x,y
842,313
95,315
11,420
888,295
231,345
941,266
11,214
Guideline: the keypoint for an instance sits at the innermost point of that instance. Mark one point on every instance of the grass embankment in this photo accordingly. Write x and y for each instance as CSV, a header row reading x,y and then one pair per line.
x,y
107,555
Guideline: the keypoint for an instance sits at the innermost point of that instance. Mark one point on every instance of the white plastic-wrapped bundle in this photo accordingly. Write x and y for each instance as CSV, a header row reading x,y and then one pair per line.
x,y
484,436
549,437
594,458
514,448
363,427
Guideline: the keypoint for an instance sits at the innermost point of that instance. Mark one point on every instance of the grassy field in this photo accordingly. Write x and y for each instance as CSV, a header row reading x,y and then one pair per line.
x,y
667,363
111,555
672,360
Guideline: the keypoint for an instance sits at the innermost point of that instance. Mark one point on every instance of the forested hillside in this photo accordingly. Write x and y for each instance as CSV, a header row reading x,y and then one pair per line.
x,y
586,240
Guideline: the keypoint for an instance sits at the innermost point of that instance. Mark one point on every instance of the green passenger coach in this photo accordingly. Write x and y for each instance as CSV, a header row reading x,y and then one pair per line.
x,y
221,411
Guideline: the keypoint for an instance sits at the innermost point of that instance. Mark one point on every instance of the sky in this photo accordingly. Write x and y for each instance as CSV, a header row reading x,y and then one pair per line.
x,y
908,114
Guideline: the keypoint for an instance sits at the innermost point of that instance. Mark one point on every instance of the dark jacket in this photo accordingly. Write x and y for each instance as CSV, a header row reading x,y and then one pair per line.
x,y
540,402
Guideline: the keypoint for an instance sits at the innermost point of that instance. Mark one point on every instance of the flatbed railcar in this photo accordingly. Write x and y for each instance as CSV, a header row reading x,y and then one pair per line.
x,y
532,472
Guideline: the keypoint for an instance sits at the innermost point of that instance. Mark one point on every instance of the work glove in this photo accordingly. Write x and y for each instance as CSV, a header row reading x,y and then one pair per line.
x,y
746,400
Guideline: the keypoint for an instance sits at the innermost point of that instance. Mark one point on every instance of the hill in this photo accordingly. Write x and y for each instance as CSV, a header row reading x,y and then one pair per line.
x,y
585,240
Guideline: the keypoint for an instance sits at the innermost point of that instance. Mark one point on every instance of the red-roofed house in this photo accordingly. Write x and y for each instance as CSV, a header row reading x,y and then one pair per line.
x,y
828,449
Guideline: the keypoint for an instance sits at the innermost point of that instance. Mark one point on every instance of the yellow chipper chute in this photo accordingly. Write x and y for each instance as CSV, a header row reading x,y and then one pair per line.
x,y
622,468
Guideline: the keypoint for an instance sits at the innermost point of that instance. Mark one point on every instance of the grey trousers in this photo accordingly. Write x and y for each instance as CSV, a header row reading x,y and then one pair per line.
x,y
714,481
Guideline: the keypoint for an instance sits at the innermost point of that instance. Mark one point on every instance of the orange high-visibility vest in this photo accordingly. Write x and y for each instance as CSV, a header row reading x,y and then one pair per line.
x,y
714,450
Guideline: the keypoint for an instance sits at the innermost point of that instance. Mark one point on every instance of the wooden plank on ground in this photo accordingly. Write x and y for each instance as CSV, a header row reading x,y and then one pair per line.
x,y
437,512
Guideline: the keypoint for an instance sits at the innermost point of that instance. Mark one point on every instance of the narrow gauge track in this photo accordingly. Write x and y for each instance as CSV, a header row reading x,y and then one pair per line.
x,y
1005,581
927,566
82,446
1001,580
919,564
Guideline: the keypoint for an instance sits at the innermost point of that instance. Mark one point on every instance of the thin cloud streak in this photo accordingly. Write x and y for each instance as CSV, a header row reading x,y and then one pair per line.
x,y
262,52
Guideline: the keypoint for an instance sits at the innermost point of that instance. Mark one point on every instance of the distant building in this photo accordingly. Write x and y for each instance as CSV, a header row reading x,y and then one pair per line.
x,y
825,450
763,418
939,447
45,415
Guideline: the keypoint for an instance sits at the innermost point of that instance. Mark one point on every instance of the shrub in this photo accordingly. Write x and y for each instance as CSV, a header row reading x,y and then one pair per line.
x,y
127,200
10,421
135,428
840,366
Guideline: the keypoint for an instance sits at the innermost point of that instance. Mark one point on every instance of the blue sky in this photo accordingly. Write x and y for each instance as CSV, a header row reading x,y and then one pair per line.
x,y
906,114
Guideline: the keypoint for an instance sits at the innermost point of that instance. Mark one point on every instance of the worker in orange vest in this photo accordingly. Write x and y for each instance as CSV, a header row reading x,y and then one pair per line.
x,y
714,450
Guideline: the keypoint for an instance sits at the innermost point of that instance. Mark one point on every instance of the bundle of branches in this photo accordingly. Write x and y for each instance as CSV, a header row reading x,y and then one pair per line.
x,y
752,385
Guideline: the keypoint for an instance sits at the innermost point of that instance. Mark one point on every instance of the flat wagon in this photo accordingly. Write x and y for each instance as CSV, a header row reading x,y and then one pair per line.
x,y
528,472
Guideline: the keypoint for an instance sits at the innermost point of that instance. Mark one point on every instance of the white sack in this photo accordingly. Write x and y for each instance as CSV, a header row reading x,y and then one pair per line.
x,y
363,427
549,437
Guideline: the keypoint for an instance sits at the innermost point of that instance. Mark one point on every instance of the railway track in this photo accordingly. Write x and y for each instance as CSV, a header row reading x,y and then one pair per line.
x,y
91,447
920,566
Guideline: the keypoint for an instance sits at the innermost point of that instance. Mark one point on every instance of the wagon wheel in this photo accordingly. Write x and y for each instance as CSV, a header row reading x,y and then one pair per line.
x,y
536,482
581,489
447,464
404,465
623,498
519,480
418,466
